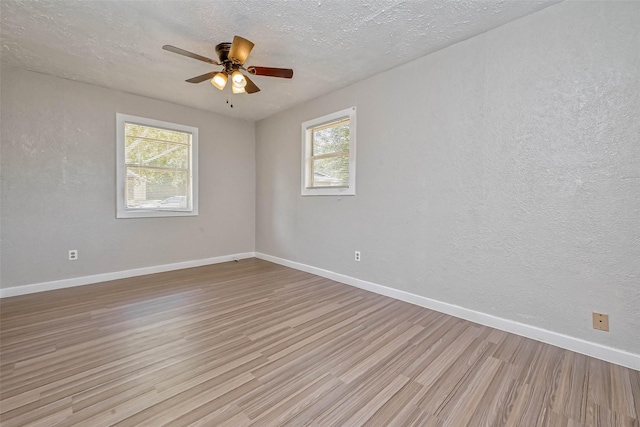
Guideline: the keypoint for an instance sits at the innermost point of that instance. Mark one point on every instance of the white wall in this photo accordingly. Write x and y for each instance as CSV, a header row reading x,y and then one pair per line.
x,y
501,174
59,185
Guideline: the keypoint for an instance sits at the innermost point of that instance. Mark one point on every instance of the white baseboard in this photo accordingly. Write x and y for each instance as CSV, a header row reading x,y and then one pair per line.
x,y
599,351
97,278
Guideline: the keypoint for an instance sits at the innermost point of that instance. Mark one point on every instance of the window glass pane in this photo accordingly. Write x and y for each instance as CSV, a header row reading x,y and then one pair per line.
x,y
331,172
148,188
144,152
156,133
330,139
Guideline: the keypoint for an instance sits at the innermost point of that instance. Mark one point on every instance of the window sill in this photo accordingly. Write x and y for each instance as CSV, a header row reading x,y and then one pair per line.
x,y
328,192
154,214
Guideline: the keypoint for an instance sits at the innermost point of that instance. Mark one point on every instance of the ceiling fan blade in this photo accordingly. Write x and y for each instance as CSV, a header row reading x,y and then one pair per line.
x,y
251,86
189,54
240,49
200,79
285,73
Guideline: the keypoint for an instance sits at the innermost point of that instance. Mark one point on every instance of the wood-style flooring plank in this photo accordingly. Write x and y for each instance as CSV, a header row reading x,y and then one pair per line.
x,y
252,343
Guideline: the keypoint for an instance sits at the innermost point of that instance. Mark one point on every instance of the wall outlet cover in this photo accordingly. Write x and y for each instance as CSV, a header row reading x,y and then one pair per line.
x,y
601,321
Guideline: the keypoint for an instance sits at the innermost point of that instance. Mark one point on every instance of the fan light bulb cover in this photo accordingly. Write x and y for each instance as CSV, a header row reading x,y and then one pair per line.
x,y
238,79
219,80
237,89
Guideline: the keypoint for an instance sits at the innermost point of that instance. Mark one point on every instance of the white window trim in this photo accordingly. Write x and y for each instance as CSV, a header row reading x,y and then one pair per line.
x,y
306,148
122,211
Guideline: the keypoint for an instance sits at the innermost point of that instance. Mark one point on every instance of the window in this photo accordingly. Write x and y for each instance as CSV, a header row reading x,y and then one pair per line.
x,y
329,154
157,168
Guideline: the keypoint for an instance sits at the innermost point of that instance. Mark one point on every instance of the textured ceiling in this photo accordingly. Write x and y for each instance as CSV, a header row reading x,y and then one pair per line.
x,y
329,43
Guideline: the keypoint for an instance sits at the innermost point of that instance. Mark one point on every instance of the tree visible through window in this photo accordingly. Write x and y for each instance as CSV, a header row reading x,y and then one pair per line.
x,y
157,163
329,154
157,167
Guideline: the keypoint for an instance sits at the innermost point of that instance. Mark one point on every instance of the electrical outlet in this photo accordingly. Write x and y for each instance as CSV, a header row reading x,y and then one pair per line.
x,y
357,256
73,255
601,321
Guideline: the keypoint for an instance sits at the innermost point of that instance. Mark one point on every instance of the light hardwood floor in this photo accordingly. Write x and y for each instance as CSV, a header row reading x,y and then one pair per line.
x,y
254,343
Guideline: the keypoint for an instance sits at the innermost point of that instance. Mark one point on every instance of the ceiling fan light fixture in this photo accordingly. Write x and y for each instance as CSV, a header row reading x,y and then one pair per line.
x,y
238,79
219,80
237,89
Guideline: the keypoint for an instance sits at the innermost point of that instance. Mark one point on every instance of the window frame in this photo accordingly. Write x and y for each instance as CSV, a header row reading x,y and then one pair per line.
x,y
307,158
121,202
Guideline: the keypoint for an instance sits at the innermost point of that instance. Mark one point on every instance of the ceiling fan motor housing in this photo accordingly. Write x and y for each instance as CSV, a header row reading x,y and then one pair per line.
x,y
222,50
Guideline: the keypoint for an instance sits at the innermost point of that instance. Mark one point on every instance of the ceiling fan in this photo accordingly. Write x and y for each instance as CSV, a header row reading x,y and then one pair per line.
x,y
232,57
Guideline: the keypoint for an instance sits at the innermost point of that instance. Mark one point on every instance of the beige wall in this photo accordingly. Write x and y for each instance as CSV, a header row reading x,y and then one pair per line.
x,y
58,184
500,174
